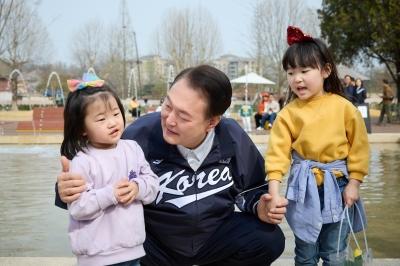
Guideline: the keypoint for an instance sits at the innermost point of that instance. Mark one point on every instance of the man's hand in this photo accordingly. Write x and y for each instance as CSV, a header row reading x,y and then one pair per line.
x,y
125,192
272,215
69,185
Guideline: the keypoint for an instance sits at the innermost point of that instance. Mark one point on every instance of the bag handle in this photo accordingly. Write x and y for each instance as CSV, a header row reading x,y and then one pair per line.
x,y
346,212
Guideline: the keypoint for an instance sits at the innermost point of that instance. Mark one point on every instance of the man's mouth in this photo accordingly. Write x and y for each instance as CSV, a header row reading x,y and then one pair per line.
x,y
170,131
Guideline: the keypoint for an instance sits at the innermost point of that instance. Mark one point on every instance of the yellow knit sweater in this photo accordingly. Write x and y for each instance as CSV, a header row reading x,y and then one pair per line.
x,y
322,129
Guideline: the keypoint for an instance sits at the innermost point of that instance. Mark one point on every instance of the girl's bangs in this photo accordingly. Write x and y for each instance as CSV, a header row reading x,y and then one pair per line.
x,y
301,55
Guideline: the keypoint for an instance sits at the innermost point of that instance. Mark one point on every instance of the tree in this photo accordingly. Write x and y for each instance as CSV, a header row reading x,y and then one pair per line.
x,y
26,40
267,34
188,37
86,43
360,30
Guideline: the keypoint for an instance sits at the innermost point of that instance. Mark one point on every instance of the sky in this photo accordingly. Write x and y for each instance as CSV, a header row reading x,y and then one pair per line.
x,y
64,17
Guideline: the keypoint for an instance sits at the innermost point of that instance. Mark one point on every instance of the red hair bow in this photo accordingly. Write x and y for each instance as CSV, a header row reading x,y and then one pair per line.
x,y
296,35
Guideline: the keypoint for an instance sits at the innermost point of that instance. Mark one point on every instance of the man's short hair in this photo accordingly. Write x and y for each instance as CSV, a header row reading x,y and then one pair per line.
x,y
385,81
213,84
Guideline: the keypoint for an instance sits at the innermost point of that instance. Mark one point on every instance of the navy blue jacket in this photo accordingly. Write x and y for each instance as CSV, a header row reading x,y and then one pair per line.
x,y
360,94
191,205
349,92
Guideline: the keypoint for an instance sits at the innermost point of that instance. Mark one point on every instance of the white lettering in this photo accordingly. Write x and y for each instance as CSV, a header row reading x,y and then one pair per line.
x,y
213,178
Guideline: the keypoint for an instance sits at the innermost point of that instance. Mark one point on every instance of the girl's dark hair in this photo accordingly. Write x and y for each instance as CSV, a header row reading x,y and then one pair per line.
x,y
314,54
214,85
362,83
75,112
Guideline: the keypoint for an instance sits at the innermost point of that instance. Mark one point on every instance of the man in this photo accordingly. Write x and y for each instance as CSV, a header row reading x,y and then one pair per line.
x,y
271,110
386,104
205,163
349,89
260,109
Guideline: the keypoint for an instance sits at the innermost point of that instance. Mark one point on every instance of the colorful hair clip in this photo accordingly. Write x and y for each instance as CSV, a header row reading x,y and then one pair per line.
x,y
296,35
87,80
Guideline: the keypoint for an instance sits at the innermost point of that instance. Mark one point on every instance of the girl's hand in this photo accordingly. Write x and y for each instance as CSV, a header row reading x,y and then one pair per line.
x,y
350,193
271,209
125,192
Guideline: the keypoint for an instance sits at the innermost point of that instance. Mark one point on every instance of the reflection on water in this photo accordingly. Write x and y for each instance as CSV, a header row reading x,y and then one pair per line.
x,y
31,226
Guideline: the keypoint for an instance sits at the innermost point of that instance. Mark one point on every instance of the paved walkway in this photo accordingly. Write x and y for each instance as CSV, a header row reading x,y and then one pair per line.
x,y
54,261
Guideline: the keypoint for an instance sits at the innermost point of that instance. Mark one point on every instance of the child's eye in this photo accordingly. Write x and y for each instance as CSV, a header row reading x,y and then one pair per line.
x,y
289,73
305,71
101,119
116,114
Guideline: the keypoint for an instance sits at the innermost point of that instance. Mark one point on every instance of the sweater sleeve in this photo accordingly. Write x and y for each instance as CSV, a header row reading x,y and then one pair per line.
x,y
358,158
92,202
277,160
147,181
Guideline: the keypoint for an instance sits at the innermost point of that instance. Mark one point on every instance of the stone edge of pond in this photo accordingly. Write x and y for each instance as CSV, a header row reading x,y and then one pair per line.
x,y
257,139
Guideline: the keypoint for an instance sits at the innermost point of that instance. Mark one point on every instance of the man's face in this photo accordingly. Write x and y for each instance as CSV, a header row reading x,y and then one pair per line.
x,y
271,98
183,116
347,80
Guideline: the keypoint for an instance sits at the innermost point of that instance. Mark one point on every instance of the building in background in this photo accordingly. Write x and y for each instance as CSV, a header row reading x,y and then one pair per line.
x,y
234,66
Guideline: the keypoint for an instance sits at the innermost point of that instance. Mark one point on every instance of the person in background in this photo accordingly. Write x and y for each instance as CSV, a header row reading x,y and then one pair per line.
x,y
271,110
282,100
360,92
245,112
321,137
260,109
349,89
143,106
133,108
387,98
159,108
206,164
104,228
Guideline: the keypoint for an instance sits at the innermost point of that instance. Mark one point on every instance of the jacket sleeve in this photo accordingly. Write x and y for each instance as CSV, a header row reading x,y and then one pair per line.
x,y
250,168
147,181
58,202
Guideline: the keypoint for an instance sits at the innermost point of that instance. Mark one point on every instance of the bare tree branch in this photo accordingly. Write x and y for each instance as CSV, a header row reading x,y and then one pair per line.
x,y
188,37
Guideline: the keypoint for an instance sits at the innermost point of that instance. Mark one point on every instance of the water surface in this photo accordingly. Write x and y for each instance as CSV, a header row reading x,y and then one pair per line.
x,y
30,224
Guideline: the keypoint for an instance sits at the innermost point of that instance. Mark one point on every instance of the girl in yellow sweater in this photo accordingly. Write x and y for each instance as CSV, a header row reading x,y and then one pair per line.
x,y
322,138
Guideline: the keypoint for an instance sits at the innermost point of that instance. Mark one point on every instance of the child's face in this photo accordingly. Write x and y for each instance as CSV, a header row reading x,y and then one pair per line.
x,y
104,124
307,82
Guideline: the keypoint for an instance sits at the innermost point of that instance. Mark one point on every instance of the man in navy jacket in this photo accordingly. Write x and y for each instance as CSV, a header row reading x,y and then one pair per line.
x,y
205,164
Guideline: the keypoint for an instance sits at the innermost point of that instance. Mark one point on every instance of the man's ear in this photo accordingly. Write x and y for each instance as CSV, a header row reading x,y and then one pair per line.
x,y
213,122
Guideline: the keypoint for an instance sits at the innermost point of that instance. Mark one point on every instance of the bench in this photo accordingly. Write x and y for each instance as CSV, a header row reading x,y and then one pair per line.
x,y
44,119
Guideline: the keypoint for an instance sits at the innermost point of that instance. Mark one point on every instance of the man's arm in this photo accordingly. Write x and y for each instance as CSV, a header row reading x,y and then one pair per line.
x,y
255,196
69,186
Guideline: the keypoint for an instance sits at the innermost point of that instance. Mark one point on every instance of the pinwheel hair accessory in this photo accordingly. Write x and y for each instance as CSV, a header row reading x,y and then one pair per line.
x,y
296,35
87,80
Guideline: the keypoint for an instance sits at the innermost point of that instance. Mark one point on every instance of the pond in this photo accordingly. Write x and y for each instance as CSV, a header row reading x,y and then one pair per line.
x,y
31,226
